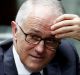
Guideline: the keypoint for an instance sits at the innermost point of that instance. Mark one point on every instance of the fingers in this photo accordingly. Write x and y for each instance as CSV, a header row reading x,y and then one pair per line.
x,y
66,17
75,35
65,23
65,29
67,35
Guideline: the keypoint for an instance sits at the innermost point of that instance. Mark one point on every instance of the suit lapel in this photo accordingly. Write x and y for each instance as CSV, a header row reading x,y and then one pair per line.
x,y
52,69
9,64
1,62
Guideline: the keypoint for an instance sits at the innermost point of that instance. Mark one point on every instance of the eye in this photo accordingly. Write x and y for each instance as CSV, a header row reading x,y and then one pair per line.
x,y
51,41
32,39
37,38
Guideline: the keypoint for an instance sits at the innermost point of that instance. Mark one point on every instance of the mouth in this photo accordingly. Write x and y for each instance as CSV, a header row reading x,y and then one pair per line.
x,y
37,57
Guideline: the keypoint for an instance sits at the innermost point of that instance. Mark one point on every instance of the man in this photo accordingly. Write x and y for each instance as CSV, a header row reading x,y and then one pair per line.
x,y
34,47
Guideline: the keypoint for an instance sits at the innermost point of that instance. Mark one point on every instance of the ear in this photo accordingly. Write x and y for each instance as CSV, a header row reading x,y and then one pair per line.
x,y
14,29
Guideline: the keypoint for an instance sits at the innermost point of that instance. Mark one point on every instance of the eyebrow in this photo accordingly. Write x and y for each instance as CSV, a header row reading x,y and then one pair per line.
x,y
37,32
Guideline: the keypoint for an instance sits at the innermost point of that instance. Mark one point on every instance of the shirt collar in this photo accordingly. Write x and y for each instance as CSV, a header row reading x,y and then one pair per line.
x,y
20,67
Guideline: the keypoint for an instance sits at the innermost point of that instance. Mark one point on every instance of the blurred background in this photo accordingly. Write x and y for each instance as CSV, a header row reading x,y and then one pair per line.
x,y
9,9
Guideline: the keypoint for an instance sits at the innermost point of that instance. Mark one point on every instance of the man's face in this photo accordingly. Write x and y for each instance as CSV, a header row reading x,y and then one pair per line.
x,y
36,57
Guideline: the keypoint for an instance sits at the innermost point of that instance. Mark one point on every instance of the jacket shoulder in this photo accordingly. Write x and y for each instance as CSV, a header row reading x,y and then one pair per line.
x,y
6,44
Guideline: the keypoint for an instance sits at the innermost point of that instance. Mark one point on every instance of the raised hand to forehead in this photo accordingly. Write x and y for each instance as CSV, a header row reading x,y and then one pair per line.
x,y
67,25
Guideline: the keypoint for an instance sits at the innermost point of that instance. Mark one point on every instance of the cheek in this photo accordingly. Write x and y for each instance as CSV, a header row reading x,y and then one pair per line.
x,y
24,54
23,49
22,44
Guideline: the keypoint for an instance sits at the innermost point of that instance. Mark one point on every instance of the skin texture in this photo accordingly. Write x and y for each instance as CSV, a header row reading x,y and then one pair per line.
x,y
35,58
67,26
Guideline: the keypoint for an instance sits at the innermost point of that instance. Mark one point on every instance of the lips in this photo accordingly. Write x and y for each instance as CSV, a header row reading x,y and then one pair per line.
x,y
37,57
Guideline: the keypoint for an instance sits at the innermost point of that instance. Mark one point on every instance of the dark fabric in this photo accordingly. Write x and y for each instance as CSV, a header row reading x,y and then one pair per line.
x,y
9,64
38,73
1,62
65,62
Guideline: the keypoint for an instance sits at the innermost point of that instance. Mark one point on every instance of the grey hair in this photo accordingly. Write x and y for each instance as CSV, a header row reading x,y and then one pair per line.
x,y
27,6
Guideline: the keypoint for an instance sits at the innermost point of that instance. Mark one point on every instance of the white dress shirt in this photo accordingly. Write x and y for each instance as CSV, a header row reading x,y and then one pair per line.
x,y
20,67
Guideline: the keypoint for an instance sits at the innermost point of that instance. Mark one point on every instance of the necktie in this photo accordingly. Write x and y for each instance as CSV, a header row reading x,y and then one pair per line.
x,y
38,73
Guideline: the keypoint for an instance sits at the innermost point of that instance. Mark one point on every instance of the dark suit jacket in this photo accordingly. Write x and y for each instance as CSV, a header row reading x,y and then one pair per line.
x,y
65,62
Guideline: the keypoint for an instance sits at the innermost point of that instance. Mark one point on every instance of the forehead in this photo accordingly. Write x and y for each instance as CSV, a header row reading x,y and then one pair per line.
x,y
40,19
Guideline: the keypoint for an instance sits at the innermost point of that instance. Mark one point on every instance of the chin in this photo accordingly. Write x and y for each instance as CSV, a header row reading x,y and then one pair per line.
x,y
35,67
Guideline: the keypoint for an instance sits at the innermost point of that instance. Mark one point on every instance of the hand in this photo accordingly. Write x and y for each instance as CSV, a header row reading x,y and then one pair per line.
x,y
66,26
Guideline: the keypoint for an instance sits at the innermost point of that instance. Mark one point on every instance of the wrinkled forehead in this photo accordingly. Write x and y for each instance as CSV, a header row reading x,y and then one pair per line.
x,y
45,12
37,25
40,19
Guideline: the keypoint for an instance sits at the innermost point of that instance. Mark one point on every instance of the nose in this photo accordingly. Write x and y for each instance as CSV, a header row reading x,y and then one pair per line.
x,y
40,47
